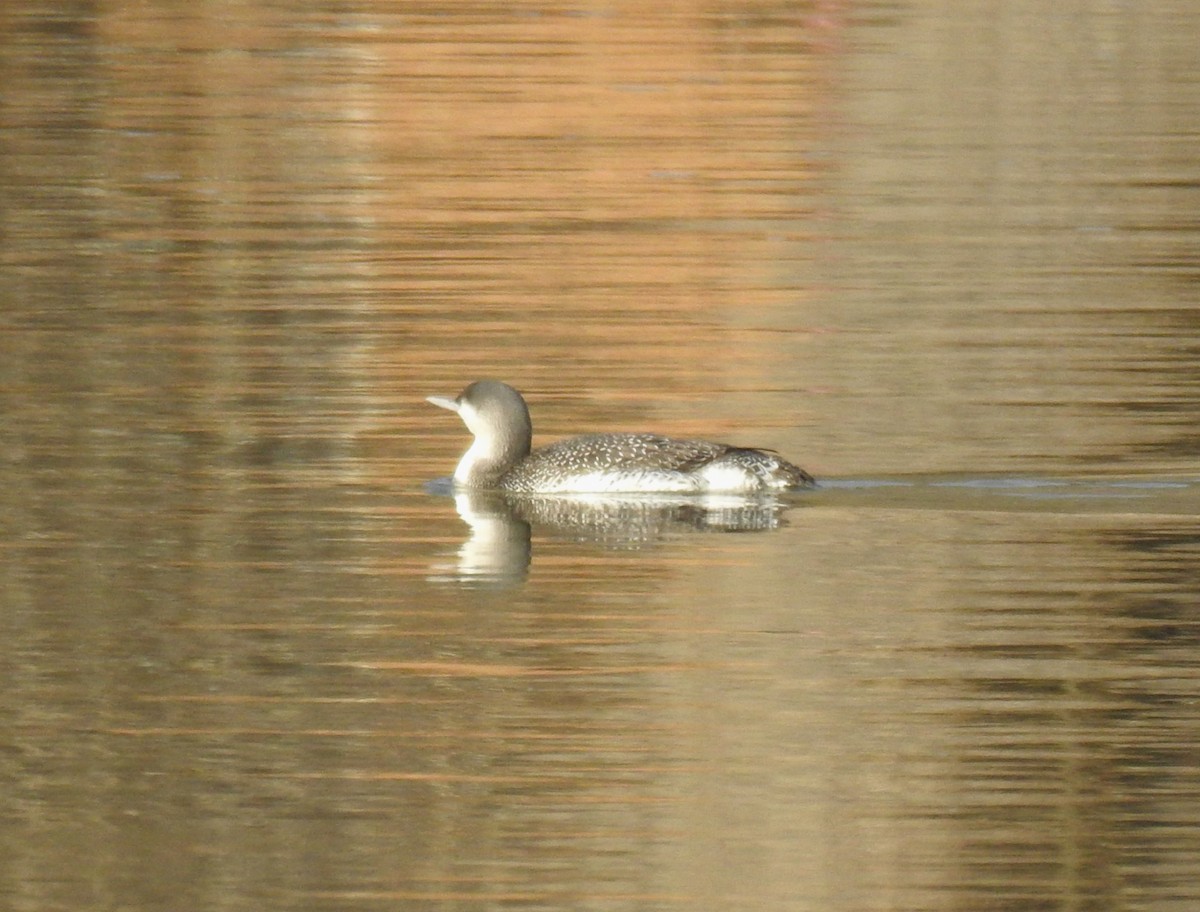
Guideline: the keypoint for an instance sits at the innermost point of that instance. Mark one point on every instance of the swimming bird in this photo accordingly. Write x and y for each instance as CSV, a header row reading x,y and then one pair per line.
x,y
501,456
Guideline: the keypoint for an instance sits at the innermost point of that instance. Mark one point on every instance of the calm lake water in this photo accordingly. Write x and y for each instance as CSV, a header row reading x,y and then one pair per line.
x,y
944,256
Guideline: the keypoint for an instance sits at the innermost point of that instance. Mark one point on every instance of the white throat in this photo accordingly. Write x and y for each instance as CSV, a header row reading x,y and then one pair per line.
x,y
478,453
486,450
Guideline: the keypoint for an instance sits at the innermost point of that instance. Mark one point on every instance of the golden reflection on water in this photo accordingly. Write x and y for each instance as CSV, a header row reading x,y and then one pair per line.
x,y
941,256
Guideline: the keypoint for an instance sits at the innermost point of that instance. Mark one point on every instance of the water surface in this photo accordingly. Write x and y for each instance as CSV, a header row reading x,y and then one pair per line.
x,y
941,256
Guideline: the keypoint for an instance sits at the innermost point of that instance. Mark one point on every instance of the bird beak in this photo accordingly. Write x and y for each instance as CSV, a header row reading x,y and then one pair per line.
x,y
443,402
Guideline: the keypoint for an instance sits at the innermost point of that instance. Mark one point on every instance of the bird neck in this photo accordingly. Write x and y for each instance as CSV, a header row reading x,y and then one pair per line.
x,y
490,456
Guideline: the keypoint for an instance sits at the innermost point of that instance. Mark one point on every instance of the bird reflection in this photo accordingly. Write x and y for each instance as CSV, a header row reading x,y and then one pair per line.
x,y
498,550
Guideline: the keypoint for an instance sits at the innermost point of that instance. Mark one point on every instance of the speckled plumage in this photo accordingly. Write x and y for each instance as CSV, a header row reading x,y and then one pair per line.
x,y
596,463
501,457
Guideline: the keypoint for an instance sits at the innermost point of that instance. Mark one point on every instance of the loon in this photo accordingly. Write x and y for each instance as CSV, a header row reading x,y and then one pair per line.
x,y
501,457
